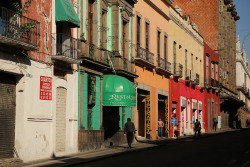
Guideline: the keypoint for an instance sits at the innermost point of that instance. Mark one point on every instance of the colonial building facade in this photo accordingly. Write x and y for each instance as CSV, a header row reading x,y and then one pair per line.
x,y
220,34
242,84
186,96
38,79
151,27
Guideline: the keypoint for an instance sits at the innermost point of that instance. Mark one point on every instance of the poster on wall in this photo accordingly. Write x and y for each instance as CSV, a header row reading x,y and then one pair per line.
x,y
45,88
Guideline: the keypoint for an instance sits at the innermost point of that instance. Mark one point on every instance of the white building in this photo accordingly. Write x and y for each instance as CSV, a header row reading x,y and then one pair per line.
x,y
38,83
242,82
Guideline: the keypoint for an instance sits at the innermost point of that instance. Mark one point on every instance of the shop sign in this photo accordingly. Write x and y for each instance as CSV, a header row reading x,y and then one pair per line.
x,y
91,89
148,116
45,88
174,121
166,116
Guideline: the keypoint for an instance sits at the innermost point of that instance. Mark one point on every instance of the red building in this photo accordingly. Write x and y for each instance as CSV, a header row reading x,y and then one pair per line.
x,y
211,88
186,101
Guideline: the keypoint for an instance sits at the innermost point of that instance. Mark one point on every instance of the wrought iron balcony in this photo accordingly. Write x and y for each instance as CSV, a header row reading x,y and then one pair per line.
x,y
144,57
18,30
177,70
65,48
243,88
124,66
163,66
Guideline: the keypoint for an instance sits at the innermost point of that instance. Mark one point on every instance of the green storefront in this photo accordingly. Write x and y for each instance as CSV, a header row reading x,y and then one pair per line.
x,y
100,122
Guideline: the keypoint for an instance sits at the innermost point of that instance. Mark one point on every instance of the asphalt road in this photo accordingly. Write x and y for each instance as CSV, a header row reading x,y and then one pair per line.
x,y
227,149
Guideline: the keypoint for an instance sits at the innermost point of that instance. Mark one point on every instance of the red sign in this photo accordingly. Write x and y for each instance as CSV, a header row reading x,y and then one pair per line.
x,y
45,88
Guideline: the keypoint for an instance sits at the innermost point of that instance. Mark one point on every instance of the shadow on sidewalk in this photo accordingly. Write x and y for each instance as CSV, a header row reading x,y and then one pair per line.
x,y
102,154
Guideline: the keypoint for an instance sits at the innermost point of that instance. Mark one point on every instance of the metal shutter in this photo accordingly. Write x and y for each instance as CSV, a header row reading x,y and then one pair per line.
x,y
7,115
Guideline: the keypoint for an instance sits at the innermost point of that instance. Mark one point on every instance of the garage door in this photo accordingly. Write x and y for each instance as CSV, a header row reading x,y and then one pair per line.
x,y
7,114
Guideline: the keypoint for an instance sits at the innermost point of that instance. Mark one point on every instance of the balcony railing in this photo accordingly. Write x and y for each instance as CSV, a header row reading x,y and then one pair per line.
x,y
19,28
177,69
124,64
163,64
144,54
65,48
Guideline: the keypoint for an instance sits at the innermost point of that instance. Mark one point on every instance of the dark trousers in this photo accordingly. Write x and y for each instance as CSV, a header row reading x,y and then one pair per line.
x,y
199,132
130,136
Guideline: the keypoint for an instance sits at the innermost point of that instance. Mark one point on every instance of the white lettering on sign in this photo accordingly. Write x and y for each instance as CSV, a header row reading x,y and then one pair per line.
x,y
121,97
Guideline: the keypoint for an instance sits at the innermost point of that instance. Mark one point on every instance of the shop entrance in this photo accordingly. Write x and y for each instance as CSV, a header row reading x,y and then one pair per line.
x,y
141,115
163,114
111,120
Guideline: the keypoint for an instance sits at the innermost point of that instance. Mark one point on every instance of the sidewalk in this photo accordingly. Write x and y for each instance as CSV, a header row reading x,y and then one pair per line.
x,y
88,156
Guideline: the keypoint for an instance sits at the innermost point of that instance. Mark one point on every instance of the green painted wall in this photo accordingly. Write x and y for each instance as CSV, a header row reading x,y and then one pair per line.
x,y
124,113
79,93
85,100
84,18
98,23
109,32
120,30
96,108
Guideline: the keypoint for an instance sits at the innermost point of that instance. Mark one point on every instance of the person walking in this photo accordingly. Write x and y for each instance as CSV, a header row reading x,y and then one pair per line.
x,y
129,130
197,127
215,122
160,127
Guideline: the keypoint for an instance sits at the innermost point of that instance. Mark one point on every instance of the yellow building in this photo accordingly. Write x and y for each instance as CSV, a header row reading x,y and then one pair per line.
x,y
186,53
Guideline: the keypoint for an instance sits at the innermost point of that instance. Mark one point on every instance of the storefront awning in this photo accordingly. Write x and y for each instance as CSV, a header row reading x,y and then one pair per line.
x,y
118,91
66,12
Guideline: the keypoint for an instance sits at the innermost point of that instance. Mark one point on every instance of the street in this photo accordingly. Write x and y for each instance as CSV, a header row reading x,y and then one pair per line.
x,y
226,149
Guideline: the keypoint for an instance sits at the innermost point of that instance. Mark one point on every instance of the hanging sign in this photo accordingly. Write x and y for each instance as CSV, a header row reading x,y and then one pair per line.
x,y
148,116
166,117
45,88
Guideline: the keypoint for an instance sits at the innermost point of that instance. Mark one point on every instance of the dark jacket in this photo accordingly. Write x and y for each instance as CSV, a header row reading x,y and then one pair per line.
x,y
129,127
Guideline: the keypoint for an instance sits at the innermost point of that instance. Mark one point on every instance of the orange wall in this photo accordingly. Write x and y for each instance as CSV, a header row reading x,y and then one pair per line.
x,y
156,22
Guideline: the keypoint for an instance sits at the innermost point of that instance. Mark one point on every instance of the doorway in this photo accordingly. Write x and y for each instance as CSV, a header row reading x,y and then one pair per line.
x,y
141,103
111,119
163,113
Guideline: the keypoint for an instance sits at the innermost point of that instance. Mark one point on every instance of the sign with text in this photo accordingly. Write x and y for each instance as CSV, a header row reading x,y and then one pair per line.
x,y
148,116
166,117
174,121
45,88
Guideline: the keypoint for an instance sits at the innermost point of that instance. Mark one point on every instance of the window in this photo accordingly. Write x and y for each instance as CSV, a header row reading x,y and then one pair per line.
x,y
104,29
138,30
165,48
216,72
186,63
138,35
124,35
207,68
192,64
212,71
90,22
174,50
158,46
147,36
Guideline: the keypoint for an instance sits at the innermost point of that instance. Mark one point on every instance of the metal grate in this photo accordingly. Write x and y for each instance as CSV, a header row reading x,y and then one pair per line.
x,y
7,115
